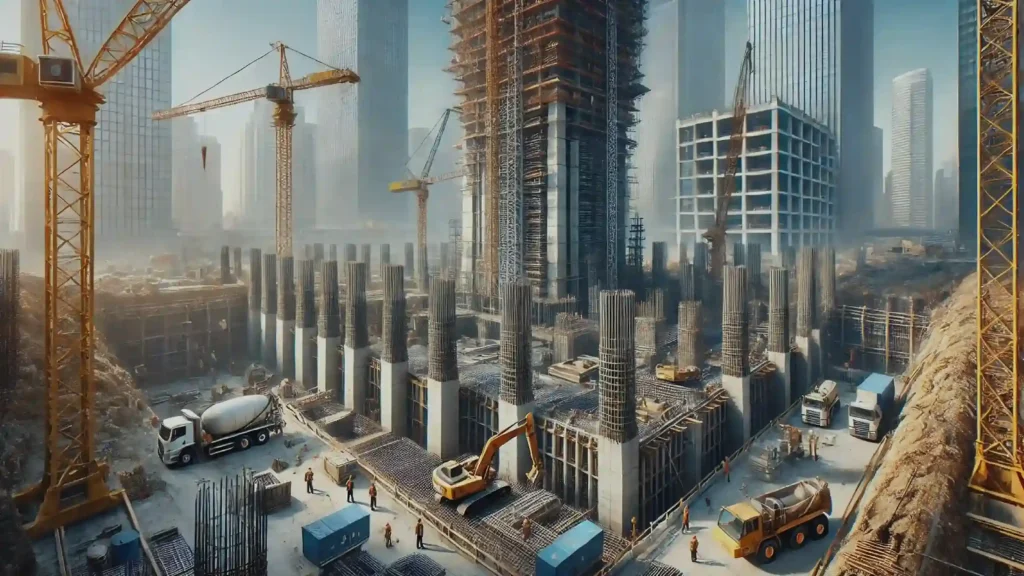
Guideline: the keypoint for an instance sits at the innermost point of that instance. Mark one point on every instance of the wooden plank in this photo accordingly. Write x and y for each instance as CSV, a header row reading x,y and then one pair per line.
x,y
142,537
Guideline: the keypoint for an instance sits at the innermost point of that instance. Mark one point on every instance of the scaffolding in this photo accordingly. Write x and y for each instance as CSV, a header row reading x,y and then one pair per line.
x,y
880,340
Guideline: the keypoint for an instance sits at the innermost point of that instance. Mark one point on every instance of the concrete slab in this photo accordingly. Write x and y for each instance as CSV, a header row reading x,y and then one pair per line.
x,y
842,465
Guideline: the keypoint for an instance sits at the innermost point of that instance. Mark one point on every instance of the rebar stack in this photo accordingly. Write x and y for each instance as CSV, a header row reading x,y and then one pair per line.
x,y
515,352
255,278
735,328
778,310
356,332
659,263
690,347
328,320
269,297
393,331
350,254
805,292
10,305
826,273
442,362
305,303
367,253
230,528
753,264
410,260
617,368
286,288
225,264
687,290
237,260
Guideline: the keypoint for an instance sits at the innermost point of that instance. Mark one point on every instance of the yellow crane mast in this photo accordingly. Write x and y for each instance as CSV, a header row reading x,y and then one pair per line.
x,y
69,97
282,96
490,207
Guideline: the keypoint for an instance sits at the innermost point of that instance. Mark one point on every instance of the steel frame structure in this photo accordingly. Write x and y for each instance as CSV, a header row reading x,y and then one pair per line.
x,y
510,217
612,149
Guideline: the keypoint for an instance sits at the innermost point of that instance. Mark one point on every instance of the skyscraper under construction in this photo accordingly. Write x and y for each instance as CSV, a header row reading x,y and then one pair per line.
x,y
547,142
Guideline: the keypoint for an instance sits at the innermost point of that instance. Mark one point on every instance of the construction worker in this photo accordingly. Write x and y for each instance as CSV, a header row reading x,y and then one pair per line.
x,y
309,481
419,534
725,468
373,496
686,518
693,548
349,487
813,443
526,529
387,535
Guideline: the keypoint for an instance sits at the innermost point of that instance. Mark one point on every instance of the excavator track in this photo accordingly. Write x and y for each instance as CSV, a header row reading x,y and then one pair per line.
x,y
477,502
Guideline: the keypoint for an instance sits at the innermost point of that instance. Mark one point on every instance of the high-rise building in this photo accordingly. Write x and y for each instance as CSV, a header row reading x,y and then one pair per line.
x,y
912,149
884,218
818,55
362,128
197,197
303,174
29,218
570,158
967,123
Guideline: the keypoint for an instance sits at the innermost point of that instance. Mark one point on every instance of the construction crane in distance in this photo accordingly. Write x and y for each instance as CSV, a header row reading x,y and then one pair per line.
x,y
421,185
727,185
282,96
69,97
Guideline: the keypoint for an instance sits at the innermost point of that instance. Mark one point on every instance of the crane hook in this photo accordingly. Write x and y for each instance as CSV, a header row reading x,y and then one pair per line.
x,y
203,151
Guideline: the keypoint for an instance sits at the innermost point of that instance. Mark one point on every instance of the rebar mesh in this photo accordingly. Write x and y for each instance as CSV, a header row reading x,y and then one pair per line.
x,y
778,310
735,329
659,262
286,288
356,330
366,254
410,259
269,296
687,290
230,528
415,565
350,253
225,264
442,363
393,331
805,292
255,279
236,252
826,283
690,347
753,264
617,372
515,352
305,298
10,298
328,318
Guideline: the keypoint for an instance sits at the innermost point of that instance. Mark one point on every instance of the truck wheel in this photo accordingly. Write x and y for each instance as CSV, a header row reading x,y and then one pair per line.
x,y
767,552
798,537
186,457
819,527
260,437
244,442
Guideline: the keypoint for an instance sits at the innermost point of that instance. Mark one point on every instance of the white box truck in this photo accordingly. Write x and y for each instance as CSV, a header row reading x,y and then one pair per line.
x,y
821,405
234,424
873,407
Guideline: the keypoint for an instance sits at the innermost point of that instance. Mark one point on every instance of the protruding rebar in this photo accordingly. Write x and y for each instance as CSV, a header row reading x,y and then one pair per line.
x,y
422,272
442,362
333,253
659,263
350,254
690,347
753,264
778,310
305,308
393,331
735,328
515,352
236,252
231,527
225,264
356,329
805,292
617,368
367,253
328,313
826,272
410,260
286,288
687,289
255,278
269,300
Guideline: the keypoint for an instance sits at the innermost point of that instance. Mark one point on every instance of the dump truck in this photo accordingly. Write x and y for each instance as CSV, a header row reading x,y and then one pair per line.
x,y
676,374
874,405
234,424
789,516
821,405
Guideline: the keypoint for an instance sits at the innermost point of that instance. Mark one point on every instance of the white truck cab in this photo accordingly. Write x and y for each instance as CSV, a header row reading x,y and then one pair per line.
x,y
177,439
821,405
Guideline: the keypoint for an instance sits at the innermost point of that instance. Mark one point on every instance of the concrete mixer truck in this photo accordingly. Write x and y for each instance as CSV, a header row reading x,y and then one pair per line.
x,y
234,424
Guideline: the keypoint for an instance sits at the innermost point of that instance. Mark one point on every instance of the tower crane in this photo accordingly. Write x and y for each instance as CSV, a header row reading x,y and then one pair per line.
x,y
421,185
282,95
727,185
69,96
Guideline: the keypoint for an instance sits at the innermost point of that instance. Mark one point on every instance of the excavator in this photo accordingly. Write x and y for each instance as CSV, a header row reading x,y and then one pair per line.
x,y
471,483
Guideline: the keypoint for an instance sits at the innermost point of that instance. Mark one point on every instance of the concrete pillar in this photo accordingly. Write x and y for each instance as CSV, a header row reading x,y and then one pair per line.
x,y
778,337
394,357
736,354
286,316
255,281
515,399
305,323
690,343
806,337
357,340
442,372
618,491
268,320
328,337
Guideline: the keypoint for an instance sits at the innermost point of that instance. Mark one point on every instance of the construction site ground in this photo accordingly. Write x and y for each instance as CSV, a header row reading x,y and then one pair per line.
x,y
842,462
172,501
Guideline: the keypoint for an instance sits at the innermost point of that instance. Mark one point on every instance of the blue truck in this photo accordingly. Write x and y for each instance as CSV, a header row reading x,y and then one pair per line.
x,y
876,397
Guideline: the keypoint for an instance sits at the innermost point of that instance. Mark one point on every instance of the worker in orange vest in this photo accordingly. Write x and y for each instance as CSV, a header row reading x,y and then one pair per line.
x,y
686,518
373,496
419,534
349,486
693,548
387,535
725,468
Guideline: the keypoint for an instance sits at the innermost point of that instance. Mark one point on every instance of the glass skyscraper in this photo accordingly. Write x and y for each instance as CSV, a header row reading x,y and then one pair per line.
x,y
362,129
912,174
967,120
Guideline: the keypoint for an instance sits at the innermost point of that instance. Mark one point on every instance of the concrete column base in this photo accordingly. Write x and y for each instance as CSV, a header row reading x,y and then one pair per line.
x,y
286,348
738,418
443,418
268,324
394,396
356,363
803,379
781,389
618,492
696,467
255,335
305,347
514,459
328,377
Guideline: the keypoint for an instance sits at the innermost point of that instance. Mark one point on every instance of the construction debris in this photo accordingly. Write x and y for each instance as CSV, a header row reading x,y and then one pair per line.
x,y
138,485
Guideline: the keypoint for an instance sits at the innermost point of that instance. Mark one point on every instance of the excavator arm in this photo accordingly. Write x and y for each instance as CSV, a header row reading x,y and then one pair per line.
x,y
524,426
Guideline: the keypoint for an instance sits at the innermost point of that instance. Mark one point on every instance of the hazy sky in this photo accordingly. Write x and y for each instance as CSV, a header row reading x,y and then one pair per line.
x,y
213,38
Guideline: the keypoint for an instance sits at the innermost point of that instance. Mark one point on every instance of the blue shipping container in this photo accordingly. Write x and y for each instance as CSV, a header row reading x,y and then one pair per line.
x,y
574,553
336,534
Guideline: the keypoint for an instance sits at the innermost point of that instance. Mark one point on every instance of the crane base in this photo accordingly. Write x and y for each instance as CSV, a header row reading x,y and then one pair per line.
x,y
480,500
57,508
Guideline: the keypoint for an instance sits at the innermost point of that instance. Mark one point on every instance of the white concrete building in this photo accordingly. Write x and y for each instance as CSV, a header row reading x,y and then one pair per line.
x,y
786,181
911,163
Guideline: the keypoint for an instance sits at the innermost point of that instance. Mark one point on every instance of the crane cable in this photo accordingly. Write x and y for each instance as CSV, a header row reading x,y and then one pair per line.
x,y
227,77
